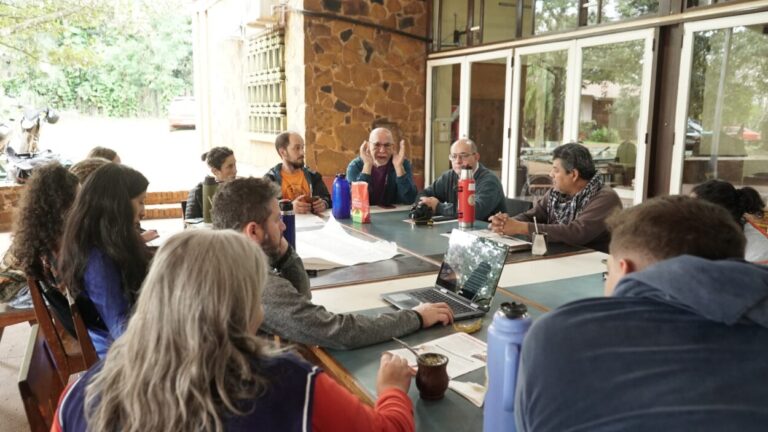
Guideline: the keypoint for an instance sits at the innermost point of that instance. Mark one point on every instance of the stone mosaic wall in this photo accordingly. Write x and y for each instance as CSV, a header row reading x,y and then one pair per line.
x,y
357,77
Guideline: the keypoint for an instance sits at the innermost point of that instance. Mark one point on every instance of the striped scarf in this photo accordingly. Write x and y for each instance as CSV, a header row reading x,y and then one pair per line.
x,y
564,209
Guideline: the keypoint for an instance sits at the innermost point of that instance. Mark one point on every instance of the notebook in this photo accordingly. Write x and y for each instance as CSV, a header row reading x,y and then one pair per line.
x,y
467,279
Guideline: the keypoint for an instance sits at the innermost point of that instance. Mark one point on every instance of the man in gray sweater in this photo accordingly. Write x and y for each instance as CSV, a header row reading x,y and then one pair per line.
x,y
249,206
574,210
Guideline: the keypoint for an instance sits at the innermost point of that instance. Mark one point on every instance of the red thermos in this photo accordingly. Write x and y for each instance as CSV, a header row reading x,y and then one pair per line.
x,y
466,192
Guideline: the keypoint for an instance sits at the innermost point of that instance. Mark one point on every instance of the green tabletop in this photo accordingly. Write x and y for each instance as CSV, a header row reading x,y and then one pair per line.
x,y
555,293
420,239
452,413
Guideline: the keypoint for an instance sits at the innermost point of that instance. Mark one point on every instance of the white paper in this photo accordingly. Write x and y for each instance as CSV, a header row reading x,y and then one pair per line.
x,y
332,247
473,392
461,349
503,239
308,221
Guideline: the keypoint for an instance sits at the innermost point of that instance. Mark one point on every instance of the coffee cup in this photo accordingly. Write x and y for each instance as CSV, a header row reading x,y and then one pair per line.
x,y
432,376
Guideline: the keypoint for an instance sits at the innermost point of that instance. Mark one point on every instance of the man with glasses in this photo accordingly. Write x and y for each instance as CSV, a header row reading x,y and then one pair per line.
x,y
388,174
441,196
299,184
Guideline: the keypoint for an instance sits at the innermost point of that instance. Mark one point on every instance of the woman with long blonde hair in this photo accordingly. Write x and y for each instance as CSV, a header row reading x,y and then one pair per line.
x,y
190,359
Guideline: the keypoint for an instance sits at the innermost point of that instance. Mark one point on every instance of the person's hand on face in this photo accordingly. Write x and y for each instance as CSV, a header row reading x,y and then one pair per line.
x,y
300,205
365,154
394,372
432,202
399,157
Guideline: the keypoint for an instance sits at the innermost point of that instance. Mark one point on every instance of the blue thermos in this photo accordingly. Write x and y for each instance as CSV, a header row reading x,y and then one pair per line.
x,y
289,219
342,197
505,338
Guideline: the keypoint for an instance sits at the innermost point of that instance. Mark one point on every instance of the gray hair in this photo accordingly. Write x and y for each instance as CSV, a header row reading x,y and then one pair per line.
x,y
191,339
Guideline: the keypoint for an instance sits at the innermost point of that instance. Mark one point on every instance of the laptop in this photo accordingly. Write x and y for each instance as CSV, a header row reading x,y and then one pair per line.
x,y
467,279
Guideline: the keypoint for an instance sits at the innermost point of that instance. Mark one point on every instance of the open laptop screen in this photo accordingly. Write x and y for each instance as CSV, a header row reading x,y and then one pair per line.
x,y
472,267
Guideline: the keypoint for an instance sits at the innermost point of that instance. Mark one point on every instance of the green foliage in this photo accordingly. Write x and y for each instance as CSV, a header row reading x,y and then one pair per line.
x,y
120,58
604,134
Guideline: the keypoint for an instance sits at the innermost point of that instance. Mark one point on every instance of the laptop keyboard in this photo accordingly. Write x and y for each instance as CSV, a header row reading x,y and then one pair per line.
x,y
433,296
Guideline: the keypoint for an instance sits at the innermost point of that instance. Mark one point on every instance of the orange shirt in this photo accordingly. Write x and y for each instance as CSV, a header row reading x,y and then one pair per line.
x,y
294,184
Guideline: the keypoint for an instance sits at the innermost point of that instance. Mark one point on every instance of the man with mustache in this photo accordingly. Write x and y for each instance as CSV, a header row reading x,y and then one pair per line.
x,y
304,187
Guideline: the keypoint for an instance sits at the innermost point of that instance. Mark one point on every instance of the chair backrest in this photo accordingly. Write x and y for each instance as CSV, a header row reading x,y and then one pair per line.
x,y
39,383
517,206
64,349
83,338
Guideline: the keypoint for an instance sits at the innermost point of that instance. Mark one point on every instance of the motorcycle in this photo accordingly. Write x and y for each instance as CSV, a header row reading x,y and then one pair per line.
x,y
21,163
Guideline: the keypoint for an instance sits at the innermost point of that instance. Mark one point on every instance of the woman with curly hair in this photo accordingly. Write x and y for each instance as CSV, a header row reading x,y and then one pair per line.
x,y
190,359
45,201
103,258
221,161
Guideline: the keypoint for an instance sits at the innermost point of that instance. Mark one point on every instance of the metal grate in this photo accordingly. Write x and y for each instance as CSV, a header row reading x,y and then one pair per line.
x,y
265,81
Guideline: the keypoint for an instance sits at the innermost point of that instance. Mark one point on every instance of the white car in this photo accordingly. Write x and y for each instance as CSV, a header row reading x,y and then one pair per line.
x,y
182,112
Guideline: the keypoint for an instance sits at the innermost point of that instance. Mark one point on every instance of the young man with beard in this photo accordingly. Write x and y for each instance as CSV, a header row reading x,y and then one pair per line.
x,y
388,173
249,206
679,344
574,210
304,187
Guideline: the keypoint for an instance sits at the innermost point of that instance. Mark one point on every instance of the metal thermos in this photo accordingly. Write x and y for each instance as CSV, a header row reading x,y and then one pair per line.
x,y
341,201
209,190
289,219
466,198
505,338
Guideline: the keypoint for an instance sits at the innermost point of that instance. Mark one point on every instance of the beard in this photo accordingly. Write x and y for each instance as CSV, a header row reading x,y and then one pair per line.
x,y
271,247
297,164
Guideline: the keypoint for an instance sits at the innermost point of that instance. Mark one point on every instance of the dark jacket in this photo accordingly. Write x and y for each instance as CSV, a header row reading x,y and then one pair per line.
x,y
399,190
489,195
682,345
314,180
195,203
587,229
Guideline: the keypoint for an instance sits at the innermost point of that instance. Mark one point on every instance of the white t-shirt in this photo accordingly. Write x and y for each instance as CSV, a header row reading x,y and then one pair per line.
x,y
757,244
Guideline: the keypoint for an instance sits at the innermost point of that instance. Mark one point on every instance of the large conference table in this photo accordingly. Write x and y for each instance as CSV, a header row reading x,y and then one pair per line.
x,y
567,273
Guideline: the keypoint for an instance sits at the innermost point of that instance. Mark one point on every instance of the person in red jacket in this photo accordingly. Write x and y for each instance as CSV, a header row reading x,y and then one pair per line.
x,y
190,358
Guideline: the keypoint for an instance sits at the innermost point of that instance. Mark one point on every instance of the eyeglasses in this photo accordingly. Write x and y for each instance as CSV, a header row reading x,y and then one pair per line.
x,y
460,156
380,146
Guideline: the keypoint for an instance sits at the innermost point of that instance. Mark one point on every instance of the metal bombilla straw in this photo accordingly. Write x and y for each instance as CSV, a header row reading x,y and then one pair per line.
x,y
535,225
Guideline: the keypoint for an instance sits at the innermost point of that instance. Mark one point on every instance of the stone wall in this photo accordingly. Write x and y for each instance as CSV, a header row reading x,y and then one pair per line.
x,y
358,76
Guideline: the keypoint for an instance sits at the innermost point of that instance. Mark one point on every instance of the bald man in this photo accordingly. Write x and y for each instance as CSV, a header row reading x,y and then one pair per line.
x,y
388,173
441,197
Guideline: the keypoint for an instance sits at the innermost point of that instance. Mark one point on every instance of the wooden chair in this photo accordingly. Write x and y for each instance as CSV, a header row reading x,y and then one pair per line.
x,y
39,383
10,316
64,349
83,338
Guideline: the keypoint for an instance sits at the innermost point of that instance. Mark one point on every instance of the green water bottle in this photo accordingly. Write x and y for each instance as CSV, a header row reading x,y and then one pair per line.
x,y
209,190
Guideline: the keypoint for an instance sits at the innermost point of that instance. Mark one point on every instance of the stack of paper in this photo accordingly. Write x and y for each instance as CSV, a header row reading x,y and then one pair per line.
x,y
332,247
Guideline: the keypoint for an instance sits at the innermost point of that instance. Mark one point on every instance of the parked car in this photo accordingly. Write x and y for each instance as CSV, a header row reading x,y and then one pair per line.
x,y
182,112
693,133
742,133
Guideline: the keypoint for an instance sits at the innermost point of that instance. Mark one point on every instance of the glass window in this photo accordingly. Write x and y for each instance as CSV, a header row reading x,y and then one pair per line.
x,y
499,21
603,11
727,123
554,15
453,23
446,81
609,111
486,110
542,107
